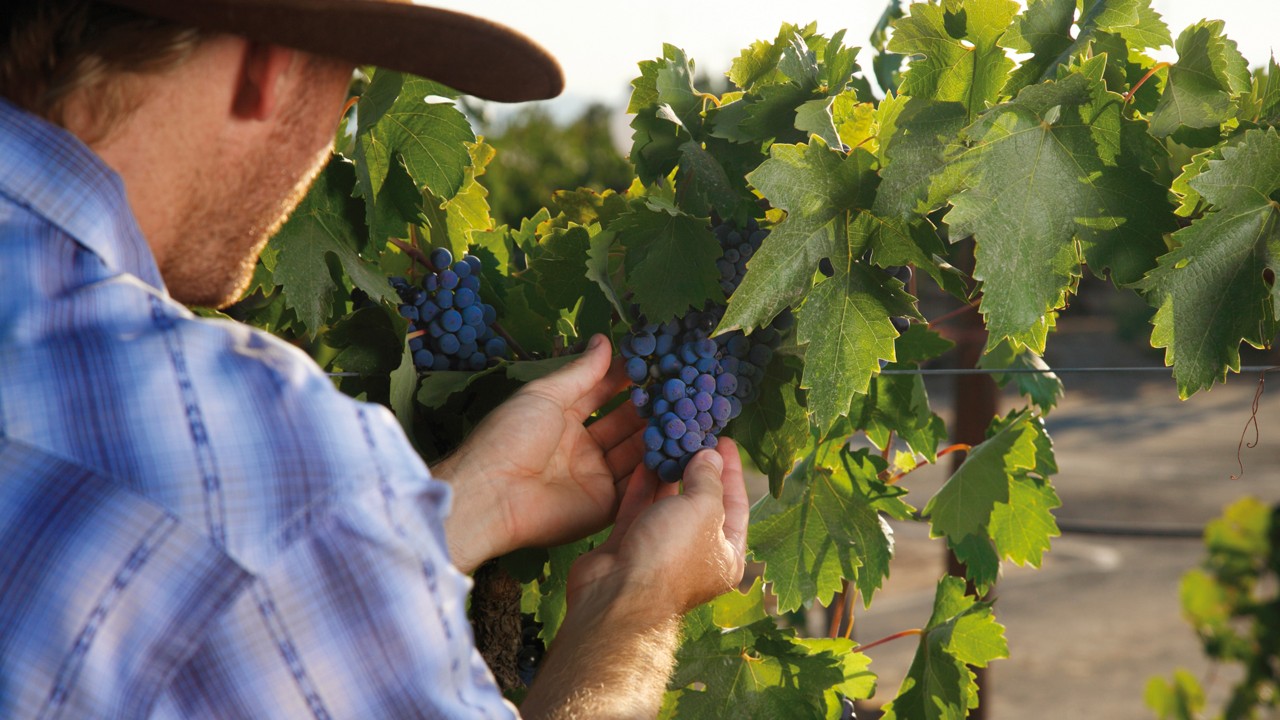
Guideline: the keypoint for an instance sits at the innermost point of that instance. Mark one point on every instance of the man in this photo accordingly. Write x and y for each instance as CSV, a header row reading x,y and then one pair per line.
x,y
194,522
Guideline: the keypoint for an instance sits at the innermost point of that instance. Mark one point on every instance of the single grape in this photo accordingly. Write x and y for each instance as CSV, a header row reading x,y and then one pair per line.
x,y
637,369
644,344
441,258
653,438
451,320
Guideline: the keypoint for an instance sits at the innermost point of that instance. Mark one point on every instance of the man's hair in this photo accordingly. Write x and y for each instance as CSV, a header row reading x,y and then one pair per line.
x,y
52,50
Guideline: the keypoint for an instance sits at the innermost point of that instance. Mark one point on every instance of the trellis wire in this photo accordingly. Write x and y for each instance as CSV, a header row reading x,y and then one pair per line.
x,y
1008,371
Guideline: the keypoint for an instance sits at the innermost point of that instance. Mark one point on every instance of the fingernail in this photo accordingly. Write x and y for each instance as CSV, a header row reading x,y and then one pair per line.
x,y
596,341
712,458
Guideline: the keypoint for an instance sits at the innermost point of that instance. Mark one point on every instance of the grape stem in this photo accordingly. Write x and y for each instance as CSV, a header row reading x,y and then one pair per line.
x,y
351,102
954,313
837,617
891,638
521,353
1158,67
414,253
958,447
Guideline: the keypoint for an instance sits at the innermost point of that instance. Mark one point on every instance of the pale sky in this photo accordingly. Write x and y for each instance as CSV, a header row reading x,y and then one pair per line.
x,y
599,43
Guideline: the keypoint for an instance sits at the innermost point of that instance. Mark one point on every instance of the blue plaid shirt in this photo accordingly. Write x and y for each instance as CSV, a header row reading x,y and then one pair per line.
x,y
193,521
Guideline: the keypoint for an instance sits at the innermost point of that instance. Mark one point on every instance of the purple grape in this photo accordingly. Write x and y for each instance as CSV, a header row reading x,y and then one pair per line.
x,y
672,425
688,374
449,344
685,409
720,409
726,384
702,401
441,258
691,442
451,320
644,344
653,438
639,397
673,390
637,369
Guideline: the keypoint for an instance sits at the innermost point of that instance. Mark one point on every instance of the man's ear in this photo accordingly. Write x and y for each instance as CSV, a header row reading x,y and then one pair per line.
x,y
259,82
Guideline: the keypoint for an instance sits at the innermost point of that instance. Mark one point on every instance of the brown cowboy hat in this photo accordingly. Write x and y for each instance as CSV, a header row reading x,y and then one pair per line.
x,y
467,53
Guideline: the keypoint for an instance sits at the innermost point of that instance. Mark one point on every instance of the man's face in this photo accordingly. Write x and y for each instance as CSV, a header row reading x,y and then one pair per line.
x,y
240,204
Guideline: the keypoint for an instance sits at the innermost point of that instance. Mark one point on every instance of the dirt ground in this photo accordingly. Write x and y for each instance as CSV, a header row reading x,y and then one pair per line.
x,y
1102,615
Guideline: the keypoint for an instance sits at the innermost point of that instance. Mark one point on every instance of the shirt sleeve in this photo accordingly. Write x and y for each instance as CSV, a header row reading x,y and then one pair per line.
x,y
351,622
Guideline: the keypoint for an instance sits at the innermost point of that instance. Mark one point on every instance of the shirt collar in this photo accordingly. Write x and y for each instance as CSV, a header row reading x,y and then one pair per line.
x,y
50,172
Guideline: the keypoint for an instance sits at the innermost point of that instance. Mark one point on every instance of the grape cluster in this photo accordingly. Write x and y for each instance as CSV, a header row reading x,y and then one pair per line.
x,y
736,247
449,327
690,385
531,649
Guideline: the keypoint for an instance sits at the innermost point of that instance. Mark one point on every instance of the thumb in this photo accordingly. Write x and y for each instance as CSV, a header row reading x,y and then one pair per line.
x,y
579,379
702,477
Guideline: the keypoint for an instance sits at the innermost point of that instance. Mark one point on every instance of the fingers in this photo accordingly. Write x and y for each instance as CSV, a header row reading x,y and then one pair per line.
x,y
639,495
576,382
620,424
624,456
702,477
736,507
612,382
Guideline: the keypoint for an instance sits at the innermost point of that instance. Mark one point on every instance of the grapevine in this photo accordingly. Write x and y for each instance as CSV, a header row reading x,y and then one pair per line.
x,y
763,268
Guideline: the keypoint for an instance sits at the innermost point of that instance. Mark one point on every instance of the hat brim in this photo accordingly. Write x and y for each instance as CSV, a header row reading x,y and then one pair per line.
x,y
467,53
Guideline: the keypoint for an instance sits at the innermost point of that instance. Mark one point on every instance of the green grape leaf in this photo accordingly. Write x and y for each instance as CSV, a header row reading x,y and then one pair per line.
x,y
1059,140
670,260
958,57
962,631
845,323
1022,526
370,340
981,561
919,343
703,184
1181,699
736,609
452,223
1211,292
818,188
913,155
823,529
756,671
894,242
666,108
399,205
1043,387
559,269
1261,106
1209,74
1044,31
404,385
774,430
963,505
899,404
326,223
430,138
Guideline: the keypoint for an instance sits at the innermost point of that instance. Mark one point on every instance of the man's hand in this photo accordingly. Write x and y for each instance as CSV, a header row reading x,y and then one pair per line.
x,y
668,552
533,474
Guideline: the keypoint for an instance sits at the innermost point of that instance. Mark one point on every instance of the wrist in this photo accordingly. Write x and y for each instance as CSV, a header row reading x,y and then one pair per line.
x,y
474,527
